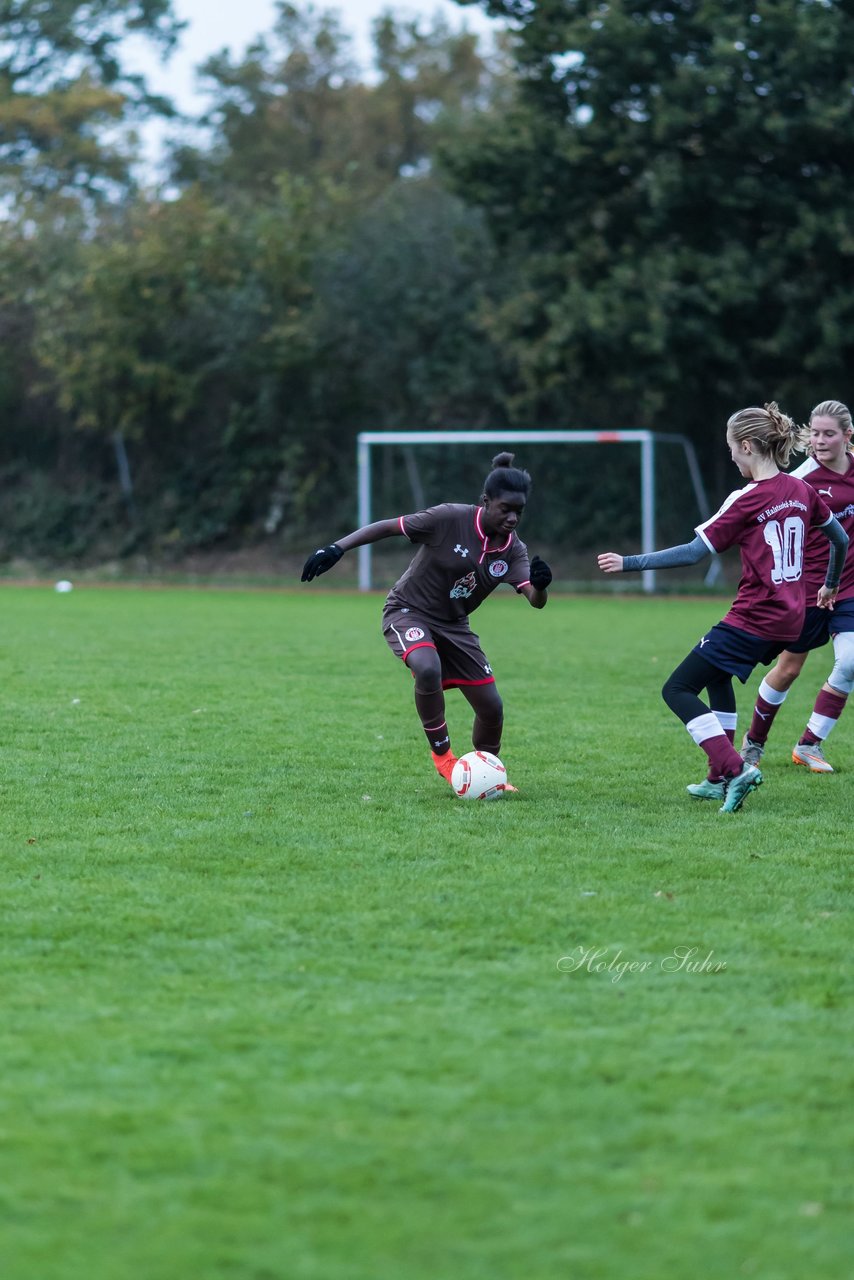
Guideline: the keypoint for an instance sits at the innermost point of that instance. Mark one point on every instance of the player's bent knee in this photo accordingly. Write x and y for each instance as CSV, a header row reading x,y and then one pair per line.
x,y
426,667
671,688
789,667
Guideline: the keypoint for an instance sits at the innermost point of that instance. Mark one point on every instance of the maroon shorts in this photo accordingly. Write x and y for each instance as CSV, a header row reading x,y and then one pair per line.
x,y
463,660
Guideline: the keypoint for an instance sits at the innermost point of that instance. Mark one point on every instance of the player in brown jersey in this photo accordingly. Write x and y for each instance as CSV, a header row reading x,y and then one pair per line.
x,y
464,553
768,520
830,471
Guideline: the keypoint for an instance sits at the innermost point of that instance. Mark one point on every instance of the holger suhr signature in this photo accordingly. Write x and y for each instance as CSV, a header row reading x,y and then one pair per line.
x,y
681,959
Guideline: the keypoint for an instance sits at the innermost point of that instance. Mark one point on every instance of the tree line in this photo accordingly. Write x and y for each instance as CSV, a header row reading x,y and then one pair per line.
x,y
632,214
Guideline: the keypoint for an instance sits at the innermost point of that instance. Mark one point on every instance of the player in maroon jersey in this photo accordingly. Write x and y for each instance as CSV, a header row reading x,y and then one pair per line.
x,y
464,553
768,519
830,471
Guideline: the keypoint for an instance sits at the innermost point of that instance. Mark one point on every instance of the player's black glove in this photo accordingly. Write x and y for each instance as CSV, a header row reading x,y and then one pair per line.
x,y
541,574
319,561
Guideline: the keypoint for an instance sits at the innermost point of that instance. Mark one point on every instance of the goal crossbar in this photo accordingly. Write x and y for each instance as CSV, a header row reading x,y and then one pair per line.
x,y
647,440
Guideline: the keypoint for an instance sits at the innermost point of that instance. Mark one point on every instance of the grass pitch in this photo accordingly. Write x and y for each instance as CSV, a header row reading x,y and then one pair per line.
x,y
277,1005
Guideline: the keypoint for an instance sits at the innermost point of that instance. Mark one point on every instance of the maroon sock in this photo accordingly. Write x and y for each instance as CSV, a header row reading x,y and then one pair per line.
x,y
830,707
711,776
724,760
763,717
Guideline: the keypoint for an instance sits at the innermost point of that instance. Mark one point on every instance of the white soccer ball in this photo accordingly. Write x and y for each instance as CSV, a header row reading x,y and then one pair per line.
x,y
63,586
479,776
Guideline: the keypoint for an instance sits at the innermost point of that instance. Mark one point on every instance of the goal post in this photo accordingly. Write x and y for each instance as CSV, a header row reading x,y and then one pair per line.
x,y
367,441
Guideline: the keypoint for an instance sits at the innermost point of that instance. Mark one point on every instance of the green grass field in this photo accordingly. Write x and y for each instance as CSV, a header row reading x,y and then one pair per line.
x,y
277,1006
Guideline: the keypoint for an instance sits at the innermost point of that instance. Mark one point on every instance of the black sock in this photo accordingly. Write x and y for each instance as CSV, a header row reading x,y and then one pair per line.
x,y
431,710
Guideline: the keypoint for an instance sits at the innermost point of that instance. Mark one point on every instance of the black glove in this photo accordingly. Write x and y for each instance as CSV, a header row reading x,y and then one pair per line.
x,y
541,574
322,559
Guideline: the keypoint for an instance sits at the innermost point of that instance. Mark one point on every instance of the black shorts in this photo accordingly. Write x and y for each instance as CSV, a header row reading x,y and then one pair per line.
x,y
737,652
463,661
821,624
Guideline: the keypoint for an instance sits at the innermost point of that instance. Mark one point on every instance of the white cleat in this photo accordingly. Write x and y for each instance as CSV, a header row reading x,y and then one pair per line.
x,y
811,755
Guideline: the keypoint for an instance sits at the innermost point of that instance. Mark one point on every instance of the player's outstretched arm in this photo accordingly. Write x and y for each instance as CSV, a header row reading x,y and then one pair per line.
x,y
325,558
669,558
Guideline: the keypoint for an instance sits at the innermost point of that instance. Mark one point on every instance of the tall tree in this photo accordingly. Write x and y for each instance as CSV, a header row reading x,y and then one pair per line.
x,y
297,102
672,192
64,93
397,301
185,328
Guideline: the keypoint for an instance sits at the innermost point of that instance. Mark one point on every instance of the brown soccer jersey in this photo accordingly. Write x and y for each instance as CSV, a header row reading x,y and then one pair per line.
x,y
456,566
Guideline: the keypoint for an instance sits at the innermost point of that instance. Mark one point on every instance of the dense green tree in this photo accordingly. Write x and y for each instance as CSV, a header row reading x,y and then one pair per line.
x,y
64,93
396,312
671,191
236,334
297,102
187,331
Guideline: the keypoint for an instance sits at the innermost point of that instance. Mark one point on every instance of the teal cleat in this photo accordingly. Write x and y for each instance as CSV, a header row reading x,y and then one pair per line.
x,y
706,790
739,787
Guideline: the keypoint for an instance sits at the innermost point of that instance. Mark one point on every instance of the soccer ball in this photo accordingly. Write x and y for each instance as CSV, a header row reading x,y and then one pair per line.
x,y
479,776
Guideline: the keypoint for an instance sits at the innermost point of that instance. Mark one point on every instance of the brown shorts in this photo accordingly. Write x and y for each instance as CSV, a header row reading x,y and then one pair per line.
x,y
463,660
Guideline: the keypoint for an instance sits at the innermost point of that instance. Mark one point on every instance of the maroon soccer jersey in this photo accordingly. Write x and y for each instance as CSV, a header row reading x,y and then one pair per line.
x,y
769,520
838,492
456,566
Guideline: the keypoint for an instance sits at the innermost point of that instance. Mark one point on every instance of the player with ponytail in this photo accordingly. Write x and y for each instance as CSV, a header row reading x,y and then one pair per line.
x,y
769,519
830,471
464,553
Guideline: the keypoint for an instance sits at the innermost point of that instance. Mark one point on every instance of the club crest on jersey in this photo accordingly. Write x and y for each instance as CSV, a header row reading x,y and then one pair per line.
x,y
464,587
412,634
498,568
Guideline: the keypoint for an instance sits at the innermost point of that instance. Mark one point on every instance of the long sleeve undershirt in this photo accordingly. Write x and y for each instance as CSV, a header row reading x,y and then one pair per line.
x,y
671,558
838,539
694,552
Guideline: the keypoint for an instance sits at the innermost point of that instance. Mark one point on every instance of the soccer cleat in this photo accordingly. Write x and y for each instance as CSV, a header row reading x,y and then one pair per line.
x,y
752,752
811,754
445,765
706,790
738,788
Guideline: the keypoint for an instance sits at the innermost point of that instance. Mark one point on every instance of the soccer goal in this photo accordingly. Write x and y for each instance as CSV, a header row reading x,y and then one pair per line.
x,y
648,441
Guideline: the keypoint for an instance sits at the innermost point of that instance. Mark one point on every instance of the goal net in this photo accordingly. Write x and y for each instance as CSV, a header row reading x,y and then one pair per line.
x,y
586,499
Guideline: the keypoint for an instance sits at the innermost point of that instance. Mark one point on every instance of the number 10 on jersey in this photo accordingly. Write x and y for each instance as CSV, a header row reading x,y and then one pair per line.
x,y
786,541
